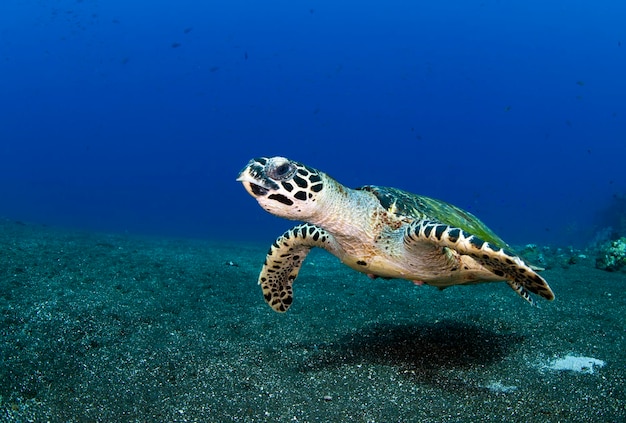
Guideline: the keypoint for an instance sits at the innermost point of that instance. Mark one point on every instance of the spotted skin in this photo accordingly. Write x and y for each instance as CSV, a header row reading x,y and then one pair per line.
x,y
284,259
502,263
380,231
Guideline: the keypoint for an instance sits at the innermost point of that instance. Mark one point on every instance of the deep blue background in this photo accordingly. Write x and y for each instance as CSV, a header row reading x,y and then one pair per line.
x,y
137,116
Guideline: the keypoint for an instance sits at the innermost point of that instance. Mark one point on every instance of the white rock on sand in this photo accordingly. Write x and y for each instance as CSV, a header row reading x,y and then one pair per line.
x,y
576,364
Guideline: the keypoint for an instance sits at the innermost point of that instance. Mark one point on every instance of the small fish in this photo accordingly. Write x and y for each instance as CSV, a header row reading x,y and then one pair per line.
x,y
214,68
581,83
245,55
176,45
507,108
187,30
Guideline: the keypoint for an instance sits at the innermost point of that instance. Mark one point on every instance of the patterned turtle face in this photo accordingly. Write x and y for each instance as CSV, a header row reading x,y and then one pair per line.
x,y
283,187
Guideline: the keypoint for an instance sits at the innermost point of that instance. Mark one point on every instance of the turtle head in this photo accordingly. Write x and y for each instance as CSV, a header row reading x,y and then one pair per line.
x,y
283,187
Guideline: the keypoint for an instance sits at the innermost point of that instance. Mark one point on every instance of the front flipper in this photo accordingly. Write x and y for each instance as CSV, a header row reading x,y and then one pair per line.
x,y
284,259
502,263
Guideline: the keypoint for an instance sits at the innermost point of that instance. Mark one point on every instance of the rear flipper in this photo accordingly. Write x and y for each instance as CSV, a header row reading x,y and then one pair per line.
x,y
284,259
519,275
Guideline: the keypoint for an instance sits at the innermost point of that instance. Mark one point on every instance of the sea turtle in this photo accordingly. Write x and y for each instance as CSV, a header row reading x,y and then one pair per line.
x,y
383,232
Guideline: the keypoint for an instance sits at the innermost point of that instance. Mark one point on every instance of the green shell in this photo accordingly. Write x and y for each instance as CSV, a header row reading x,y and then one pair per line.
x,y
420,207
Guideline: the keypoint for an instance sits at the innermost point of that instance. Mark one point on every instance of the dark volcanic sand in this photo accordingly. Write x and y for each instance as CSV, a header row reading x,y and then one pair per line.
x,y
108,328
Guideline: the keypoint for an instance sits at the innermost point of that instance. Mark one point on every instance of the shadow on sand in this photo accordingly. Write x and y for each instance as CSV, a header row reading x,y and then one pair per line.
x,y
428,353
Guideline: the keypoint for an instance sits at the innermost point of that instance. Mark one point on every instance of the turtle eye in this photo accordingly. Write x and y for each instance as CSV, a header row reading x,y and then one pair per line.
x,y
281,172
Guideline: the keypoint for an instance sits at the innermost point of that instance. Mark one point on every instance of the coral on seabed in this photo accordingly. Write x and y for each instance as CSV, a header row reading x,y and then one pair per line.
x,y
612,256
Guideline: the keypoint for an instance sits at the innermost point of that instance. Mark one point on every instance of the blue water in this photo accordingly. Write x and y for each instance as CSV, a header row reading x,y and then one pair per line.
x,y
137,116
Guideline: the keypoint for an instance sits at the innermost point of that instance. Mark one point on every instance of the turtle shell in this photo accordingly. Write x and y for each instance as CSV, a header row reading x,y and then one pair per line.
x,y
404,203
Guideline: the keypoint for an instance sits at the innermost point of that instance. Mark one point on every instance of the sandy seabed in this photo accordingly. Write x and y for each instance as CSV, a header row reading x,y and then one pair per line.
x,y
113,328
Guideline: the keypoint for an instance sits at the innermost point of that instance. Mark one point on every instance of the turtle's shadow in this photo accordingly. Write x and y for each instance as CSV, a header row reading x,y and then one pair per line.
x,y
422,351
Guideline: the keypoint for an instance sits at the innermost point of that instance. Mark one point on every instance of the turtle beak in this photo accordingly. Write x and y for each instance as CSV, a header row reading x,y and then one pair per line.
x,y
253,188
254,180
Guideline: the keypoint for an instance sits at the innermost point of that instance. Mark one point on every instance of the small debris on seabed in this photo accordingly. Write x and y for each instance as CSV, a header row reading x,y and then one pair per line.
x,y
576,364
498,388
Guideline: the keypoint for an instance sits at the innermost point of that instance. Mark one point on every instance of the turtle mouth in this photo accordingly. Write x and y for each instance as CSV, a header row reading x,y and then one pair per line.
x,y
257,190
254,186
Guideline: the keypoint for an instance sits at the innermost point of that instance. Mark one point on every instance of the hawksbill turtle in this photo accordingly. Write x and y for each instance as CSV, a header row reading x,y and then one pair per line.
x,y
380,231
